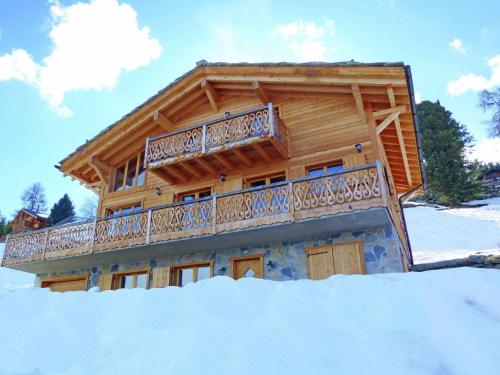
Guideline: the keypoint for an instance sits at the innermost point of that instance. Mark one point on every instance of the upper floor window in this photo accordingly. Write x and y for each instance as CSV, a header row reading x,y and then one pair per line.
x,y
123,210
265,180
130,174
327,168
192,195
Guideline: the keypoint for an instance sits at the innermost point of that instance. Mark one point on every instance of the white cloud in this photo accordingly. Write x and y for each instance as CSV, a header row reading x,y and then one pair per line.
x,y
458,46
474,82
307,40
487,151
92,45
418,97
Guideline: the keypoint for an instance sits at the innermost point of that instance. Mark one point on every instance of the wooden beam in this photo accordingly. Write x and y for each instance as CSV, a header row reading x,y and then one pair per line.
x,y
387,111
388,120
211,93
102,169
242,157
206,166
163,175
372,125
262,153
260,92
163,121
188,167
224,161
359,102
175,172
392,100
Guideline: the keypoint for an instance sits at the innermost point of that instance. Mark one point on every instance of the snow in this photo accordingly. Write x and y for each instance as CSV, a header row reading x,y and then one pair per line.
x,y
439,234
440,322
14,279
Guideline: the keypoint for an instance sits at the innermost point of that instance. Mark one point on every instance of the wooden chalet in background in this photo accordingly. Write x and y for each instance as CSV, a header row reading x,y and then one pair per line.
x,y
27,220
280,171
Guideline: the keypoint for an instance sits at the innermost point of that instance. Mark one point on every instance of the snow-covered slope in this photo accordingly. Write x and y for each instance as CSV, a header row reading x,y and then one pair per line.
x,y
14,279
438,322
454,233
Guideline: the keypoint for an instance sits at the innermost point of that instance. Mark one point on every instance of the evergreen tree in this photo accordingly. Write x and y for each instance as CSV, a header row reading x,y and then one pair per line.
x,y
3,223
34,198
63,209
450,177
491,100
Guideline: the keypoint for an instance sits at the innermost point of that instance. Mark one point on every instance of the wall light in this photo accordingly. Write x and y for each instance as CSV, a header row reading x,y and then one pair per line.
x,y
270,265
357,146
158,191
222,177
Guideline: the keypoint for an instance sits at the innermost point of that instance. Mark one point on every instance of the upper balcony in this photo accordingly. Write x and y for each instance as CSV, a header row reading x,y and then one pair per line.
x,y
276,212
218,145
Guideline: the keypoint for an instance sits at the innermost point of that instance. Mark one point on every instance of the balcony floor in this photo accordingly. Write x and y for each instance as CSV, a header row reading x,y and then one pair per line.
x,y
266,234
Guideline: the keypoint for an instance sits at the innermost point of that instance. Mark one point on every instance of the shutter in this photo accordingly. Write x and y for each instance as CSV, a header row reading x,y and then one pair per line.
x,y
349,258
161,277
232,184
354,159
106,281
320,262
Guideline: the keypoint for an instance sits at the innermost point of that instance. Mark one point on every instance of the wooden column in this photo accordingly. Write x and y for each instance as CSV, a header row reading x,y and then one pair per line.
x,y
372,131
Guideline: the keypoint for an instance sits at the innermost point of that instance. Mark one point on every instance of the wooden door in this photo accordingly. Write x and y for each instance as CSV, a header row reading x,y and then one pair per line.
x,y
248,266
345,258
69,284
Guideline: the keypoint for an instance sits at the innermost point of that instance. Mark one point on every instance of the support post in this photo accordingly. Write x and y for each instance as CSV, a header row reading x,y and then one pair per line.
x,y
148,226
146,149
203,139
271,119
92,238
214,213
381,182
45,243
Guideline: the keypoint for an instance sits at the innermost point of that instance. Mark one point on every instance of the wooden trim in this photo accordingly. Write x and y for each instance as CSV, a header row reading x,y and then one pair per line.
x,y
45,283
131,272
234,259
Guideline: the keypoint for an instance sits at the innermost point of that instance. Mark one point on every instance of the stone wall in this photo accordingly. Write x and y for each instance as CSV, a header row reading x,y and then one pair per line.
x,y
382,250
477,261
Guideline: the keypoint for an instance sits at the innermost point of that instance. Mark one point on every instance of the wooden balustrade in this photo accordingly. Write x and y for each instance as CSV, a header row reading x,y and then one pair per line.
x,y
225,133
294,200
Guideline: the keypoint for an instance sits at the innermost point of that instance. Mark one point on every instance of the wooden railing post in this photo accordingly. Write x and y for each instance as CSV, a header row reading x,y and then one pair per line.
x,y
146,151
271,119
214,213
45,243
381,182
203,139
291,207
148,226
92,237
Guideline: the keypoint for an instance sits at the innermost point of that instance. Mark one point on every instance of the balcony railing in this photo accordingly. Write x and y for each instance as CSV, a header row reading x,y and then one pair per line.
x,y
291,201
233,131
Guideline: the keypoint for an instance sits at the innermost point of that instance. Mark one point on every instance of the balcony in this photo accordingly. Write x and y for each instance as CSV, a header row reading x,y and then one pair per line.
x,y
242,138
310,204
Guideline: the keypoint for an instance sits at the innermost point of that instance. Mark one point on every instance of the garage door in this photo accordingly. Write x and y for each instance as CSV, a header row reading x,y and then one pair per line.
x,y
66,284
346,258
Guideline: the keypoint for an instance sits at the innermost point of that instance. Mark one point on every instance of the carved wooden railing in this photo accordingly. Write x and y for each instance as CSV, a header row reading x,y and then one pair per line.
x,y
231,131
344,191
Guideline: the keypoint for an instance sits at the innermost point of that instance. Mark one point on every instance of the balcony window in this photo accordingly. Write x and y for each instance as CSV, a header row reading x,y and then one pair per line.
x,y
129,280
130,174
266,180
192,195
320,170
183,274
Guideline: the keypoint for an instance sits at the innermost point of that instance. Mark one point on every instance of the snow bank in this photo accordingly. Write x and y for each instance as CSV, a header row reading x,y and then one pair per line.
x,y
453,233
14,279
439,322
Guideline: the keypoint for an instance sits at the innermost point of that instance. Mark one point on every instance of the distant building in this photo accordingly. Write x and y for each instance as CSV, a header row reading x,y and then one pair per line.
x,y
28,220
490,182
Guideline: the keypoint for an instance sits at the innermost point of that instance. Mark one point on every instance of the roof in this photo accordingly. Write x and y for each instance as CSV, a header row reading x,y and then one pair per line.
x,y
34,214
203,63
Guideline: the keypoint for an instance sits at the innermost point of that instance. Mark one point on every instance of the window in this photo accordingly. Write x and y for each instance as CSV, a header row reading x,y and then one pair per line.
x,y
129,280
183,274
123,210
323,169
130,174
265,180
192,195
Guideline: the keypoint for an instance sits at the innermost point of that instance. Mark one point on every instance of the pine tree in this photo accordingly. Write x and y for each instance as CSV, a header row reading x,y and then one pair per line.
x,y
450,178
34,198
3,223
490,100
63,209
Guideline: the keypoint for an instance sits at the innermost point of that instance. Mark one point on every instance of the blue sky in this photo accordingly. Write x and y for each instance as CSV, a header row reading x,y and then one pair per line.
x,y
68,69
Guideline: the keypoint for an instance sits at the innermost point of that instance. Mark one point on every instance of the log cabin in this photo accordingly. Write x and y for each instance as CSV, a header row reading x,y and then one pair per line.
x,y
28,220
280,171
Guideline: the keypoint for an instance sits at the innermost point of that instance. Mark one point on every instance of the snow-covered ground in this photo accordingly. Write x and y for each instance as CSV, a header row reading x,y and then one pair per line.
x,y
454,233
10,279
437,322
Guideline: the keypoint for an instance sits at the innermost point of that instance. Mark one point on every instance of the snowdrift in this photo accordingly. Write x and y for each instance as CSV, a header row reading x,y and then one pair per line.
x,y
441,322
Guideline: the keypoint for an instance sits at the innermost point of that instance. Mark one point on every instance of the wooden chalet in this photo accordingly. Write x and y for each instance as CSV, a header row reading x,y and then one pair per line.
x,y
280,171
27,220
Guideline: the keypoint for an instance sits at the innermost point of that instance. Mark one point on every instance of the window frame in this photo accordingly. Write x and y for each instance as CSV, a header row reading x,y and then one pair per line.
x,y
117,278
121,208
140,159
267,179
324,167
195,192
175,268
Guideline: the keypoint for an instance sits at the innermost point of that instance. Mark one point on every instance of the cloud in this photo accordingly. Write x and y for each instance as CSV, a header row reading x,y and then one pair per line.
x,y
418,97
458,46
307,40
487,151
93,44
474,82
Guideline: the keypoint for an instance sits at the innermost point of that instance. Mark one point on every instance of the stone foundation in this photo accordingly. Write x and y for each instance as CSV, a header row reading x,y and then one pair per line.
x,y
382,248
